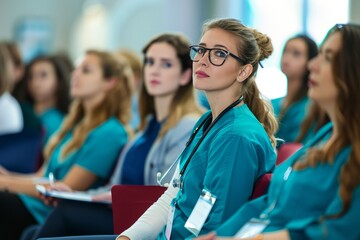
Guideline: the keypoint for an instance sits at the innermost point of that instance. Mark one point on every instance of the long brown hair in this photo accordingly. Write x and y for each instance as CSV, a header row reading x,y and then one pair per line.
x,y
184,101
314,120
62,72
312,51
253,47
347,81
116,104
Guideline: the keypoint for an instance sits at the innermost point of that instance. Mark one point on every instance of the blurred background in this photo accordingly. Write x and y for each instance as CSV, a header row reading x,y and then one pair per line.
x,y
72,26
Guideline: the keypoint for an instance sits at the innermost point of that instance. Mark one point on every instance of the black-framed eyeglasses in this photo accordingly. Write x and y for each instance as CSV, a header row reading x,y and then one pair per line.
x,y
217,56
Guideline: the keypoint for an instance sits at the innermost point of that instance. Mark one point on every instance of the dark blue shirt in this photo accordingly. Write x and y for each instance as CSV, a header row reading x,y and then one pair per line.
x,y
134,161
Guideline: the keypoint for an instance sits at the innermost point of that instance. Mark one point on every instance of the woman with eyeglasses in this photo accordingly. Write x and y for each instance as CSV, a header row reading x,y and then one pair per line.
x,y
231,146
315,194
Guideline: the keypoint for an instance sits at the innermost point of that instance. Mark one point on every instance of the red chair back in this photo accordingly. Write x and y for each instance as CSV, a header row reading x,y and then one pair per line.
x,y
286,150
129,202
261,185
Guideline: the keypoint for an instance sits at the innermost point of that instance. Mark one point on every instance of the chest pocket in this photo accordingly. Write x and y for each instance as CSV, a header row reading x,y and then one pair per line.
x,y
197,166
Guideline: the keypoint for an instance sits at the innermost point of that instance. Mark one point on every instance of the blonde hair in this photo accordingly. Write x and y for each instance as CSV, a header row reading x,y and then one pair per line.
x,y
252,47
116,104
4,75
133,59
184,101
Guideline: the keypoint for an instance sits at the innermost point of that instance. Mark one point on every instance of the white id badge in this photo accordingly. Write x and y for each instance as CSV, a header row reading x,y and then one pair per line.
x,y
252,228
200,212
170,222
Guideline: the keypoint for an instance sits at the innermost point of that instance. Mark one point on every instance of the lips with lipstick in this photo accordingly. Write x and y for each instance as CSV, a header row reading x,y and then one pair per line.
x,y
312,83
201,74
154,82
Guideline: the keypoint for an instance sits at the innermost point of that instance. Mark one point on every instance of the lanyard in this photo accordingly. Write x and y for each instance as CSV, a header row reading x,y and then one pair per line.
x,y
287,173
178,182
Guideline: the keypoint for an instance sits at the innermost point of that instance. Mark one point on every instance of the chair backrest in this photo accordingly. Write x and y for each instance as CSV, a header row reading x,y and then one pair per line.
x,y
261,185
129,202
286,150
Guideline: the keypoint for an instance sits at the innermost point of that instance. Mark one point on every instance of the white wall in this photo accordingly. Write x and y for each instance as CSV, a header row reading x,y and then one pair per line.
x,y
131,24
61,13
123,23
354,9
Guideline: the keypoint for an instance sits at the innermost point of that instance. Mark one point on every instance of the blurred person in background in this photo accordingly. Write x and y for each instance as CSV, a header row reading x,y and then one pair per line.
x,y
83,152
11,117
135,63
46,87
18,69
291,109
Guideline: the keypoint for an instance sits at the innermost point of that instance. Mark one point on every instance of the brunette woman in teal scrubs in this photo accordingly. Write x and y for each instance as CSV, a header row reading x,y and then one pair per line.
x,y
291,109
46,87
315,194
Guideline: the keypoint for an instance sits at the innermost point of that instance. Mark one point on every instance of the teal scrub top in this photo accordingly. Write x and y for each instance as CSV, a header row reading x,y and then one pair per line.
x,y
232,156
51,120
98,154
303,199
290,123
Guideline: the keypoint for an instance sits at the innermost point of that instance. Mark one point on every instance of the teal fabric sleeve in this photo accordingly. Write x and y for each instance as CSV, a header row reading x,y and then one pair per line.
x,y
344,227
243,215
101,149
231,172
51,120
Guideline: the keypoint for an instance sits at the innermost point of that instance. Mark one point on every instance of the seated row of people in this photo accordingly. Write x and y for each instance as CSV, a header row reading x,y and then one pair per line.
x,y
209,154
43,96
168,112
83,152
296,206
101,90
233,144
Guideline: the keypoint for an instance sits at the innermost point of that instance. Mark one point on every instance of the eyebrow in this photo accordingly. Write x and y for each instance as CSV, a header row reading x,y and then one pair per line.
x,y
327,51
166,60
216,45
162,59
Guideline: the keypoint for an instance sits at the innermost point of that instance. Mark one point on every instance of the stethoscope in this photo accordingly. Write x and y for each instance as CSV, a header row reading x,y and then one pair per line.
x,y
178,182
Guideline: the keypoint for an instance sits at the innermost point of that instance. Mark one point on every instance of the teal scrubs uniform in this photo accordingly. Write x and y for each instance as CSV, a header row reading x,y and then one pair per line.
x,y
51,120
290,123
232,156
303,199
98,154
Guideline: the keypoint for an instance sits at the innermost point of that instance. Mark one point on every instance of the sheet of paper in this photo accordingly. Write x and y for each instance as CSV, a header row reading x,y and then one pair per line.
x,y
79,196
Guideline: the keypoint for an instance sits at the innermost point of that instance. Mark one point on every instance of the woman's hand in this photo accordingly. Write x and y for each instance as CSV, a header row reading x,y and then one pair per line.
x,y
4,171
102,197
122,238
279,235
210,236
58,186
